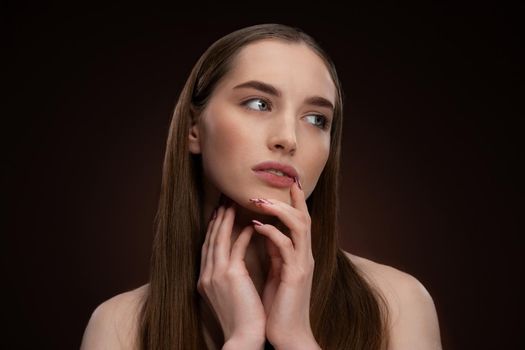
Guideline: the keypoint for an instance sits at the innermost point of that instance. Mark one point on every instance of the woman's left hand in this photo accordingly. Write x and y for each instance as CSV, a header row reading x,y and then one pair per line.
x,y
286,295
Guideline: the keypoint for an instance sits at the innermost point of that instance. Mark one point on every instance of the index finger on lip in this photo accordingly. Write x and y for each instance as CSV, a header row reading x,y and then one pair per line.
x,y
297,197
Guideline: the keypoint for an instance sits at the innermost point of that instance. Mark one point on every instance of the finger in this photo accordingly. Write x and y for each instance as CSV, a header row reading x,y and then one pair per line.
x,y
204,250
241,244
288,215
276,263
283,243
297,197
223,239
272,250
297,221
208,269
273,280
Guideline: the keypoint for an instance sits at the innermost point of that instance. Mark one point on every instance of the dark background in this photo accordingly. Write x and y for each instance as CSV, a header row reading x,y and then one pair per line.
x,y
430,141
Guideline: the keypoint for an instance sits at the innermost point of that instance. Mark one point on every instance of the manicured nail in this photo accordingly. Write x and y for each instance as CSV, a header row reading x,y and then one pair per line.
x,y
298,183
260,201
258,223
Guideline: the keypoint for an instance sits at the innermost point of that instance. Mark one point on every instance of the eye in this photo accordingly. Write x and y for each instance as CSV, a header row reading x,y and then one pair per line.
x,y
319,120
257,104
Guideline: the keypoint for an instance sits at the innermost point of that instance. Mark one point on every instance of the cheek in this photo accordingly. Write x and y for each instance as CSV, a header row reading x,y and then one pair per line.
x,y
318,156
224,134
323,158
315,147
226,146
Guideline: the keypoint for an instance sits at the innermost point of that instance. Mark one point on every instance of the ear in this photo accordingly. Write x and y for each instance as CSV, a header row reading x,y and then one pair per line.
x,y
194,141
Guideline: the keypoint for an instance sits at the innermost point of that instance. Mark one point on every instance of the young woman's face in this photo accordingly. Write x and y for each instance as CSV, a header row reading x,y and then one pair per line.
x,y
276,104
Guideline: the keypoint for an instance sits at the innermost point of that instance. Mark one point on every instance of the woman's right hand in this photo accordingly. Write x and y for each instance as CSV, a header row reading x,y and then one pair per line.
x,y
225,283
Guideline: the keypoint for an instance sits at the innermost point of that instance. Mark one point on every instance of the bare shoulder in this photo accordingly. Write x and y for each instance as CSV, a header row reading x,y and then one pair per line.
x,y
412,321
113,324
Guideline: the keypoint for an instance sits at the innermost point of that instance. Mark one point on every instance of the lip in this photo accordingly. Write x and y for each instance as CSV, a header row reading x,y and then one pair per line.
x,y
276,180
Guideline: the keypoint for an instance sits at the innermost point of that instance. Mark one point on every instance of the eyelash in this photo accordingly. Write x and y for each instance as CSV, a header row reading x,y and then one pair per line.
x,y
323,126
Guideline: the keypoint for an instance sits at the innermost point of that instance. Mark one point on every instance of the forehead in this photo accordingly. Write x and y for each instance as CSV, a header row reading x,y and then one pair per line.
x,y
292,67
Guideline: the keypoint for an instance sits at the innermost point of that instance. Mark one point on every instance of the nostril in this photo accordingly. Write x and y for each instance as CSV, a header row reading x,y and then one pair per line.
x,y
282,145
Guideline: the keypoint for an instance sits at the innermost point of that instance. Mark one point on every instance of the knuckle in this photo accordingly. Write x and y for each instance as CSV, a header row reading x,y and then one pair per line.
x,y
303,274
216,279
199,287
304,217
287,243
308,221
231,274
205,281
311,264
299,276
203,285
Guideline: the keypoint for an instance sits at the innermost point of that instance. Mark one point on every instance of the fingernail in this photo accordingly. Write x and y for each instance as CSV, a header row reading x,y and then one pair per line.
x,y
298,183
258,223
214,214
260,201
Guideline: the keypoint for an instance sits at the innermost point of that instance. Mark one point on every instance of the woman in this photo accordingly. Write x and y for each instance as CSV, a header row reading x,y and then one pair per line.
x,y
246,249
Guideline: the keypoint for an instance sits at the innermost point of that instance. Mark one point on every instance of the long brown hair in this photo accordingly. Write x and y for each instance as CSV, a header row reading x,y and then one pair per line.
x,y
345,312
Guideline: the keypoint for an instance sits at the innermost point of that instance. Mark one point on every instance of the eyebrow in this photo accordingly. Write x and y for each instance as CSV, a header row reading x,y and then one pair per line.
x,y
272,90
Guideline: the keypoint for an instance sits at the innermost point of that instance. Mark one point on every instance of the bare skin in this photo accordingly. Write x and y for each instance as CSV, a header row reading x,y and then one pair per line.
x,y
413,321
240,306
292,130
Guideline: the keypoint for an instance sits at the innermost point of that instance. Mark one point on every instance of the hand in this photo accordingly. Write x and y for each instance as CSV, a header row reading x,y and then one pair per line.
x,y
224,281
286,295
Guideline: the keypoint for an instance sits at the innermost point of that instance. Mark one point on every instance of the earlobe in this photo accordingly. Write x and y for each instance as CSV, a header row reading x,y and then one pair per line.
x,y
194,140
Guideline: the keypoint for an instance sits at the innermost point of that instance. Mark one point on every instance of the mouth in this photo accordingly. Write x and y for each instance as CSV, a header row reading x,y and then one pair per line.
x,y
276,174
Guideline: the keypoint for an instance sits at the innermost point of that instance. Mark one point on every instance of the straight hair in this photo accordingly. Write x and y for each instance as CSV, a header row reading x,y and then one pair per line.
x,y
345,311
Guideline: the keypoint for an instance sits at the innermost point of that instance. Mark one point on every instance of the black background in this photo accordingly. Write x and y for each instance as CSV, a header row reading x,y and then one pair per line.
x,y
430,142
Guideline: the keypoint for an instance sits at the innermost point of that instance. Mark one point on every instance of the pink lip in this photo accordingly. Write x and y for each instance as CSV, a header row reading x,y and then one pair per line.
x,y
276,180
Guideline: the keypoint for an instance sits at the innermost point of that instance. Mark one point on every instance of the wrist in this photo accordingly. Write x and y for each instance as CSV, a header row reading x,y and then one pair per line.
x,y
247,343
298,343
301,346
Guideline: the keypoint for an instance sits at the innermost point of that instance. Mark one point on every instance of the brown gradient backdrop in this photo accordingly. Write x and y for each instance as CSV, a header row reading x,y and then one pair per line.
x,y
428,148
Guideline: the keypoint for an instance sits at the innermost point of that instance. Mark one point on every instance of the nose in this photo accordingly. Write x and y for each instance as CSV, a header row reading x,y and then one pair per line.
x,y
283,136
